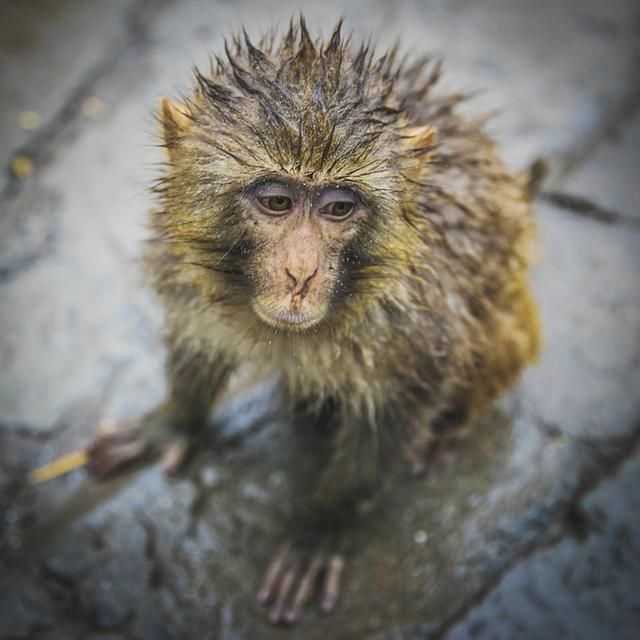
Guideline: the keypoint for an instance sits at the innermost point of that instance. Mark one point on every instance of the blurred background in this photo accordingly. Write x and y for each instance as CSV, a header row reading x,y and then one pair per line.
x,y
531,532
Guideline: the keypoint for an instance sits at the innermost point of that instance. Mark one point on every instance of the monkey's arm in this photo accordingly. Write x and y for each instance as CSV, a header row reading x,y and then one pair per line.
x,y
352,474
350,479
195,379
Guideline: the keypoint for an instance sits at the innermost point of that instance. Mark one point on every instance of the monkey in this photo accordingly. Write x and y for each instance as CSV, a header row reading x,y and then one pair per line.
x,y
330,214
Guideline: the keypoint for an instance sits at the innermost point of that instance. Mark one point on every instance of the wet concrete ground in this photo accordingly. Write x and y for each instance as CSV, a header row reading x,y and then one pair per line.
x,y
530,532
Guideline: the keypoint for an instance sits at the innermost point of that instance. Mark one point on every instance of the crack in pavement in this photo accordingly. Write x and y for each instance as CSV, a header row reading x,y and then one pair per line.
x,y
67,597
606,465
135,38
583,206
26,430
157,571
30,258
614,117
547,180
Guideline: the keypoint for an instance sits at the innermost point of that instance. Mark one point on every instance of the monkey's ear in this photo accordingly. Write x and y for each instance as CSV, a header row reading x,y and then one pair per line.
x,y
418,142
175,122
419,138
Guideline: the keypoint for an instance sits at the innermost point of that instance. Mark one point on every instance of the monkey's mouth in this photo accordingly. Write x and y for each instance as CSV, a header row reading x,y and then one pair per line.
x,y
286,318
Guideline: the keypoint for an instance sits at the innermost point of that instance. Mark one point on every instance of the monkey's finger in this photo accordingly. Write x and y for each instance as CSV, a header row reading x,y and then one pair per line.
x,y
331,583
117,430
103,460
305,589
273,573
173,458
277,610
108,427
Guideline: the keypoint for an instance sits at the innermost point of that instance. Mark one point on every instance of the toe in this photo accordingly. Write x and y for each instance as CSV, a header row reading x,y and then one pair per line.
x,y
331,587
272,575
276,613
305,590
111,452
174,457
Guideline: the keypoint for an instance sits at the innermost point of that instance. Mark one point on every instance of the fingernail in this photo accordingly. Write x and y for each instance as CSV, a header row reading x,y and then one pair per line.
x,y
291,616
327,604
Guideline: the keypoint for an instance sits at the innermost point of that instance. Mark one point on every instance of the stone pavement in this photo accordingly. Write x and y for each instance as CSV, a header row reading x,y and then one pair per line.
x,y
531,532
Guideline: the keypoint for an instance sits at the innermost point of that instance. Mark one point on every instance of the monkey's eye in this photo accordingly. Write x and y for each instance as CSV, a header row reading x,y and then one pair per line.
x,y
276,204
338,209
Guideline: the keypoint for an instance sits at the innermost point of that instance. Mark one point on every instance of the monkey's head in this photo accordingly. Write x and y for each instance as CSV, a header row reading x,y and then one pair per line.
x,y
291,169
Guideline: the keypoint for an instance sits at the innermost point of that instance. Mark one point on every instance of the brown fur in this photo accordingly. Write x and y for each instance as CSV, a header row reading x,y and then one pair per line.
x,y
433,315
391,327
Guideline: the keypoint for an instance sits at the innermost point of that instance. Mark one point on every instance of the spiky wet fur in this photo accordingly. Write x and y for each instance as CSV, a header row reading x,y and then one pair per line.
x,y
433,315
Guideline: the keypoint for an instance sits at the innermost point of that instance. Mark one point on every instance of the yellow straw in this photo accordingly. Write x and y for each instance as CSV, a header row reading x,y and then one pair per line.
x,y
60,466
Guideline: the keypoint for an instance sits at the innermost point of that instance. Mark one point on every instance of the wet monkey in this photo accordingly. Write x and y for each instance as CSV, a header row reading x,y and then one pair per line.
x,y
328,213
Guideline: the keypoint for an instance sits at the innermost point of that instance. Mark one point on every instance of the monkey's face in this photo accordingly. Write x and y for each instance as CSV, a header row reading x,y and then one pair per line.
x,y
299,234
291,180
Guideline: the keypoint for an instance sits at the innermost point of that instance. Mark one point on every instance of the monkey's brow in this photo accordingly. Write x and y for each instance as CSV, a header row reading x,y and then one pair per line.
x,y
300,185
273,179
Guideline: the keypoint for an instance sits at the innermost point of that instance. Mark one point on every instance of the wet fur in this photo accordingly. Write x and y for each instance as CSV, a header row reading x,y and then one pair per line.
x,y
433,316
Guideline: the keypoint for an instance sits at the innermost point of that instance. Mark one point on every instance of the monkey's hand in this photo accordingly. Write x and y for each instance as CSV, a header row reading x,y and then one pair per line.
x,y
295,574
124,444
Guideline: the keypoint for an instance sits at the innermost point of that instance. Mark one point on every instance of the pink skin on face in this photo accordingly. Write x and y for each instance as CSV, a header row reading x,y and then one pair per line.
x,y
300,264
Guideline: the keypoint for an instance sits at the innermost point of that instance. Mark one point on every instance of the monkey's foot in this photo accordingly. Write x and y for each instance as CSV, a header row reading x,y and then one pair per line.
x,y
293,577
124,444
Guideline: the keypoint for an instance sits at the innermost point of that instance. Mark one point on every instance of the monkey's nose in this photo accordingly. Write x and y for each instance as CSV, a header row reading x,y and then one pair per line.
x,y
299,283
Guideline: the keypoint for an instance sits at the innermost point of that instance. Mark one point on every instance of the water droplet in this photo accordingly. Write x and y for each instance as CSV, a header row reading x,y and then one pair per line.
x,y
210,477
420,536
